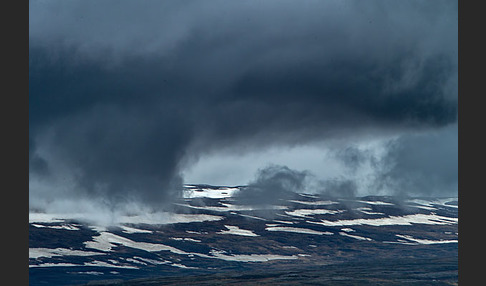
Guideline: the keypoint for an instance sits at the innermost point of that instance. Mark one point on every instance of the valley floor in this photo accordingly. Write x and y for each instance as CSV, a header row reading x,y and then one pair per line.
x,y
442,271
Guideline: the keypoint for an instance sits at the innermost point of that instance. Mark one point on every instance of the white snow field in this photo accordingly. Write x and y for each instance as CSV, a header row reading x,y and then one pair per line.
x,y
155,218
355,236
393,220
234,230
309,212
50,252
250,257
107,241
425,241
191,192
207,229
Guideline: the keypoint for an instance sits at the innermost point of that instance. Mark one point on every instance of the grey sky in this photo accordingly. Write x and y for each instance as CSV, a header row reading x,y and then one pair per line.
x,y
125,98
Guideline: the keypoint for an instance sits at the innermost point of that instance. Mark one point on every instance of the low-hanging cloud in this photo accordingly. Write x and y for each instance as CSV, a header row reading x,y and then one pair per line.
x,y
422,164
123,97
273,184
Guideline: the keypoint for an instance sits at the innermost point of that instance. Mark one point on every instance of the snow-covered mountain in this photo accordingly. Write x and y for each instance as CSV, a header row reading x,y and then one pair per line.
x,y
209,231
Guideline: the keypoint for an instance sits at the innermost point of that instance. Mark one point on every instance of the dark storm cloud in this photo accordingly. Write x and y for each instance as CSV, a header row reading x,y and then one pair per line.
x,y
277,182
126,93
272,184
338,188
353,158
415,163
422,164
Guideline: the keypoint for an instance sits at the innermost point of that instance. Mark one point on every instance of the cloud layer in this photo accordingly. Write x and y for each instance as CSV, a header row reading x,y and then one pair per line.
x,y
124,96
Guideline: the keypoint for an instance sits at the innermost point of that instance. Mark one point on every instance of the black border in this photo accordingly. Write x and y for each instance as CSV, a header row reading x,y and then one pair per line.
x,y
471,200
15,124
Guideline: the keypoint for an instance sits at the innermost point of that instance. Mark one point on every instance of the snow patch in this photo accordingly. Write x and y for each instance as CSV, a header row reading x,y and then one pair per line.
x,y
151,261
430,204
297,230
253,217
89,272
135,261
157,218
182,266
250,257
310,212
379,203
283,221
355,236
185,239
105,264
45,218
107,241
196,232
35,253
54,265
368,211
64,226
232,229
393,220
209,193
425,241
127,229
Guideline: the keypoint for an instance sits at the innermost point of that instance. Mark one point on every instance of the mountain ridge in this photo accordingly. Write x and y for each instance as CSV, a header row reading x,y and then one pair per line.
x,y
210,232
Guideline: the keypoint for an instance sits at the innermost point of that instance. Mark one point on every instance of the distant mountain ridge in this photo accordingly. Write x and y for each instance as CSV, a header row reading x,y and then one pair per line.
x,y
210,232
